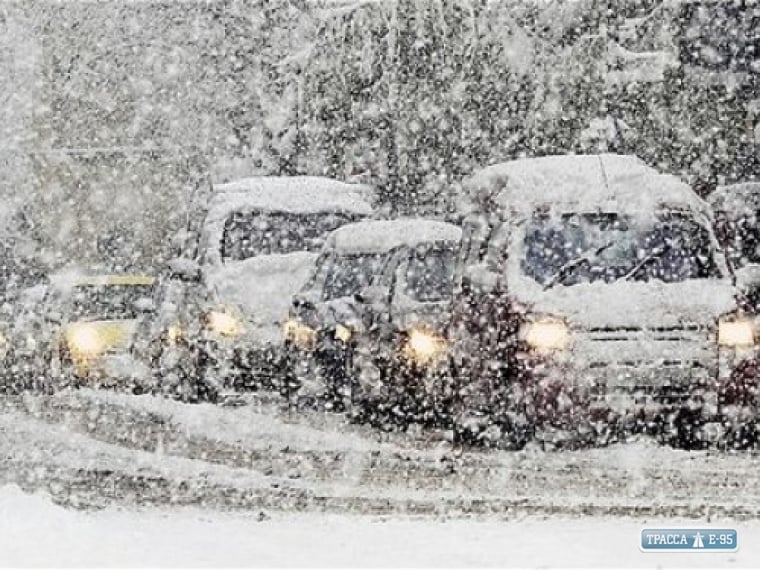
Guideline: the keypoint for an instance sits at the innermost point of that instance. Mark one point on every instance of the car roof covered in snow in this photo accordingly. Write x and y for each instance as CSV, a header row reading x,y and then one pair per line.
x,y
736,198
579,183
384,235
293,194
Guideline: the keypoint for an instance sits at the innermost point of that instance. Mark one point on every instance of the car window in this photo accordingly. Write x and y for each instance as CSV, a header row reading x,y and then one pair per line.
x,y
347,275
429,275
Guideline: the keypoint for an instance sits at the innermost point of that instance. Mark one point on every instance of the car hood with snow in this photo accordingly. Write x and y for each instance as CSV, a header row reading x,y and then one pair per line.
x,y
633,304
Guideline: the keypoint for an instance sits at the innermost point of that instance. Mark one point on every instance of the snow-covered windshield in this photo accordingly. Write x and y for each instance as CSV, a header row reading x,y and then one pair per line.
x,y
248,234
347,275
429,276
109,302
590,247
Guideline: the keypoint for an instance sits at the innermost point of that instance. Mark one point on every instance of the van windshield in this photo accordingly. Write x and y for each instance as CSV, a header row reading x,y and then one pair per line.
x,y
346,275
249,234
585,248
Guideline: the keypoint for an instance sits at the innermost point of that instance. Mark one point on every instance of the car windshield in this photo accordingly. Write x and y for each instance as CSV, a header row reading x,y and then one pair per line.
x,y
109,302
347,275
673,248
430,276
249,234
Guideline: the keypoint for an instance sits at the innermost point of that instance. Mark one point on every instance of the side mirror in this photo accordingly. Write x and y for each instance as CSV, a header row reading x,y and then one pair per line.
x,y
748,277
184,269
373,294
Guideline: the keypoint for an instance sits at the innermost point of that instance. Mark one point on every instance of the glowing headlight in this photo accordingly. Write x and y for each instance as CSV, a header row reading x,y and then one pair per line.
x,y
546,334
738,333
84,340
223,324
174,333
343,333
423,345
300,334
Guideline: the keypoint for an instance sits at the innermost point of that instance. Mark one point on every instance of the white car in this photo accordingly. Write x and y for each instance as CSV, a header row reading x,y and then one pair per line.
x,y
256,246
595,301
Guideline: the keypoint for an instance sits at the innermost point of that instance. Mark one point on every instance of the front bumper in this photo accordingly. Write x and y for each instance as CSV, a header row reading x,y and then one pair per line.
x,y
568,390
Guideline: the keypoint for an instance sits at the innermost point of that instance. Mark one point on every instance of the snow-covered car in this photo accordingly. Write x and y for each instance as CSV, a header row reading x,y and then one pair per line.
x,y
594,301
91,326
736,211
256,247
373,280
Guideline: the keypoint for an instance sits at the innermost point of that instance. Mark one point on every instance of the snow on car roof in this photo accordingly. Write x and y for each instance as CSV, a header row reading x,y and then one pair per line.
x,y
736,198
296,194
582,183
384,235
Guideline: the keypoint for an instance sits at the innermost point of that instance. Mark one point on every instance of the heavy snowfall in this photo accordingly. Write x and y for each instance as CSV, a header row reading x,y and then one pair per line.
x,y
380,283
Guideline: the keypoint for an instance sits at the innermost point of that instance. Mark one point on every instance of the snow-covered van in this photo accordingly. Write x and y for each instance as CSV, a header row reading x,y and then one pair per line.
x,y
256,247
375,285
594,301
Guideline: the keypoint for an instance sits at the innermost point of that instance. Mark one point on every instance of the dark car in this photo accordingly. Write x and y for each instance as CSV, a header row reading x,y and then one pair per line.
x,y
372,276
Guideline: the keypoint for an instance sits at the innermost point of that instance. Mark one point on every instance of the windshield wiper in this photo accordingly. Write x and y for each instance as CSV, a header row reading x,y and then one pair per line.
x,y
655,254
567,269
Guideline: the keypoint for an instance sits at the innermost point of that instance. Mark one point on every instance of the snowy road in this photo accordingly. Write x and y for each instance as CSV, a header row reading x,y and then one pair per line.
x,y
93,449
155,470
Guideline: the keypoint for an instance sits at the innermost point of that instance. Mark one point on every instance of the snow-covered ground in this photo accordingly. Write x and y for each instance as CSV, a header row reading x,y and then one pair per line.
x,y
34,531
112,479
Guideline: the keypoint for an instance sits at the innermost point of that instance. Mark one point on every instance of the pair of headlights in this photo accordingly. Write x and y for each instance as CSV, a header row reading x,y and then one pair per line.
x,y
554,334
421,345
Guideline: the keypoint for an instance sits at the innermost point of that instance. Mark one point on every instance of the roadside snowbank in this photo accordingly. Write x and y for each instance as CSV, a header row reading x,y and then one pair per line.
x,y
34,531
